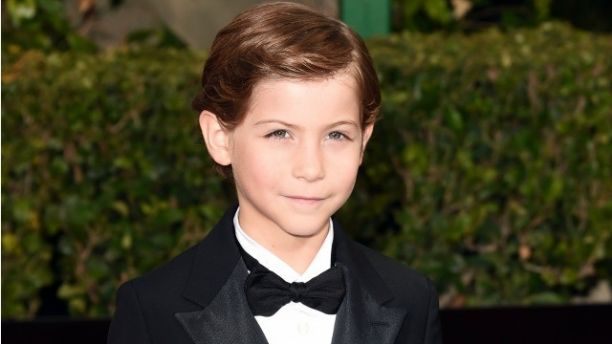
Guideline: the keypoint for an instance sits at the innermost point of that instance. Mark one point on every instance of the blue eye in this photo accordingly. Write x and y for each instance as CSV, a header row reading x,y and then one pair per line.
x,y
278,134
336,135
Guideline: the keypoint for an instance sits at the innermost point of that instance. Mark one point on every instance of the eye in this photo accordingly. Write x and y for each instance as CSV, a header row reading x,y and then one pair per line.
x,y
278,134
338,136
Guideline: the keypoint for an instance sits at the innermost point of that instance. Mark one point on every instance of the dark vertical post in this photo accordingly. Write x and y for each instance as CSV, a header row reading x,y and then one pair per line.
x,y
367,17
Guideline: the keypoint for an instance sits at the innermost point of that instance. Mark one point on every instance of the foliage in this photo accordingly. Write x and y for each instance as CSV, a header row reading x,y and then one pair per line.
x,y
469,15
502,147
102,153
490,170
40,24
44,25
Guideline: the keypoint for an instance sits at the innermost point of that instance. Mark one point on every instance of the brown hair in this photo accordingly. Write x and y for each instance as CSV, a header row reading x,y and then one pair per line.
x,y
285,40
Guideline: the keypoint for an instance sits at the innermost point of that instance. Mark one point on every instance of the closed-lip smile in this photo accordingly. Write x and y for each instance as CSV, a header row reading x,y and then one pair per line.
x,y
305,199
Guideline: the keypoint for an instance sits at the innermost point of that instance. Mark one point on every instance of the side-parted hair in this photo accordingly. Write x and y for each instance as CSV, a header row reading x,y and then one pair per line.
x,y
281,40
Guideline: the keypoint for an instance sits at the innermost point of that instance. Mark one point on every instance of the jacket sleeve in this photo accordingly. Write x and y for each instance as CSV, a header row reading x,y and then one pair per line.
x,y
128,324
433,332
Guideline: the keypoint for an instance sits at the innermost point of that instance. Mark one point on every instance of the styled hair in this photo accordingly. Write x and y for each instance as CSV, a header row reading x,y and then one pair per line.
x,y
282,40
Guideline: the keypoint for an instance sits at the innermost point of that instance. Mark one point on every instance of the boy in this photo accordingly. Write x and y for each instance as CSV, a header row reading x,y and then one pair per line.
x,y
288,104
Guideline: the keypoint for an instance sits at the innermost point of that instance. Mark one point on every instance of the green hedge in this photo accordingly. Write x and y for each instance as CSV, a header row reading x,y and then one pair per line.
x,y
490,171
500,150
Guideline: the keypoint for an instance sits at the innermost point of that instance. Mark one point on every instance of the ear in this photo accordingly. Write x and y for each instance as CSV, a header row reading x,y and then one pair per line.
x,y
216,137
367,133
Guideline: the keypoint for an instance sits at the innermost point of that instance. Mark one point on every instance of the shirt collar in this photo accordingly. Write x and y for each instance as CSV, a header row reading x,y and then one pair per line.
x,y
320,263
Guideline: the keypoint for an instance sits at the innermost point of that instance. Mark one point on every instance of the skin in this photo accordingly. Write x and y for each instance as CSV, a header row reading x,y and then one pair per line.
x,y
294,159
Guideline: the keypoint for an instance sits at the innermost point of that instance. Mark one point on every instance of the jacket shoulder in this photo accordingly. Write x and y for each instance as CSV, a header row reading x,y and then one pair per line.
x,y
146,305
412,291
405,283
166,282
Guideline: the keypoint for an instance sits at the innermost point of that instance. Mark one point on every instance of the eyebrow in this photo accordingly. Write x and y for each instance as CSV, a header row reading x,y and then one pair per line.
x,y
351,123
275,121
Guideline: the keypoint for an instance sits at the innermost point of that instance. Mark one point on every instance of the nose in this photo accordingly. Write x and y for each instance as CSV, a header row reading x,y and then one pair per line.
x,y
308,162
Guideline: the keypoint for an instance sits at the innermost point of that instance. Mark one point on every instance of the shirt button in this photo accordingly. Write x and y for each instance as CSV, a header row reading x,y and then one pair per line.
x,y
303,328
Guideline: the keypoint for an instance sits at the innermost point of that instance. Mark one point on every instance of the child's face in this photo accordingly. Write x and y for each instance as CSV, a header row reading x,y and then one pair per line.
x,y
295,155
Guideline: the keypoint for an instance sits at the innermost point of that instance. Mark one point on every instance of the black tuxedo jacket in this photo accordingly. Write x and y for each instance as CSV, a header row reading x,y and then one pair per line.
x,y
198,297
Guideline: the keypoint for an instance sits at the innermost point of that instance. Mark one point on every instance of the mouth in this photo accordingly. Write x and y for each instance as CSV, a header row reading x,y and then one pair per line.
x,y
305,199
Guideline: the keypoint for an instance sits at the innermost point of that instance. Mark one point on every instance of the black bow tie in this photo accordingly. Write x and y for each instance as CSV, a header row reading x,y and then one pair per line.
x,y
266,292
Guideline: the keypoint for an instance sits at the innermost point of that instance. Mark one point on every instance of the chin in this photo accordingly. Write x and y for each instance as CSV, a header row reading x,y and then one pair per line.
x,y
306,229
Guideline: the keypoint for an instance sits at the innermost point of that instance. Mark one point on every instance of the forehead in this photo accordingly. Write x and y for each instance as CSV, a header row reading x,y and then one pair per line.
x,y
342,82
330,97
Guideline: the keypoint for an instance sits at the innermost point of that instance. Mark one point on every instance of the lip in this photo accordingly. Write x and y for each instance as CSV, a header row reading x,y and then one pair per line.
x,y
305,199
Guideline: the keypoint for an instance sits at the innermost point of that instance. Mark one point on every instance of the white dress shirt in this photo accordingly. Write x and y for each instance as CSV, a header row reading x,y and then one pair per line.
x,y
294,322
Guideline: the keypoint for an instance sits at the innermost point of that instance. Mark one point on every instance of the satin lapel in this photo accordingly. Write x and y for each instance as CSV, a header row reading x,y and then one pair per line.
x,y
363,320
215,259
227,319
367,314
216,284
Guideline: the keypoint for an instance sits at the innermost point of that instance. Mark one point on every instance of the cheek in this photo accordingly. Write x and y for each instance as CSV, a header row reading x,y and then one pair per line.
x,y
253,162
343,166
347,155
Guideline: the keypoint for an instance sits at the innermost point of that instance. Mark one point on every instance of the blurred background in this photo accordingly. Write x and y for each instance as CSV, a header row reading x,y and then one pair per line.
x,y
490,170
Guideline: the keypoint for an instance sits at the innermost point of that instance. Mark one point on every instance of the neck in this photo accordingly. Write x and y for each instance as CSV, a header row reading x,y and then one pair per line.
x,y
298,252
